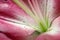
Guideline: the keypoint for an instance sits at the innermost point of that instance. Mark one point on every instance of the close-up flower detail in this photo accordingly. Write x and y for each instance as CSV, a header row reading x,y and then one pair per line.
x,y
29,19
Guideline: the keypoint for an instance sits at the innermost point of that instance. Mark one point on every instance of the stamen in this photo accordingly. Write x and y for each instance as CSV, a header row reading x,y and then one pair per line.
x,y
34,11
24,7
36,14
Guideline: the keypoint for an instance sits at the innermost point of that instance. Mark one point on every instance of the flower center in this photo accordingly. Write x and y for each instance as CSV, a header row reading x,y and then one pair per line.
x,y
37,12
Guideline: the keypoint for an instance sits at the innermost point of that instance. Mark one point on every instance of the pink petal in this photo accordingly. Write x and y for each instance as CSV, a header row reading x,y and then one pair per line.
x,y
10,10
15,31
53,9
47,36
56,24
4,37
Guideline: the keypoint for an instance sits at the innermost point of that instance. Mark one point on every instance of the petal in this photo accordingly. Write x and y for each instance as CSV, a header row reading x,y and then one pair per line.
x,y
4,37
12,11
53,9
47,36
15,31
56,24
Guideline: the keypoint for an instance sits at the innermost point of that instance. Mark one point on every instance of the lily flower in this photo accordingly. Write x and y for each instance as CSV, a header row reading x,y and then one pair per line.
x,y
35,15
